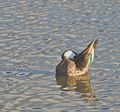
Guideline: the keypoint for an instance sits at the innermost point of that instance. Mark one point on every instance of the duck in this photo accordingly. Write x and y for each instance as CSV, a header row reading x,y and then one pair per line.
x,y
74,64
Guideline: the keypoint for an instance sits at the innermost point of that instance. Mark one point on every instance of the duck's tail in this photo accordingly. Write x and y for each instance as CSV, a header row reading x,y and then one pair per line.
x,y
85,58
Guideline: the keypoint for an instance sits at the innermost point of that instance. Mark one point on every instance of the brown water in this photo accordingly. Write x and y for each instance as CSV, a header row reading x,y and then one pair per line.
x,y
33,35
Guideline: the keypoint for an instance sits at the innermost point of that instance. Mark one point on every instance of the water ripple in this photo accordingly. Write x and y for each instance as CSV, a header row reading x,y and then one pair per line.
x,y
33,36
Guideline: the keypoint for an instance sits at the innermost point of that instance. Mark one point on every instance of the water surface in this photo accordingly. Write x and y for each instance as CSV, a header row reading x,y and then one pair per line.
x,y
33,35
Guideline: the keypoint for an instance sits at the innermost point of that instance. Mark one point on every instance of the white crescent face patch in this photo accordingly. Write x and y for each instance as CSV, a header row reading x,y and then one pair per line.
x,y
70,55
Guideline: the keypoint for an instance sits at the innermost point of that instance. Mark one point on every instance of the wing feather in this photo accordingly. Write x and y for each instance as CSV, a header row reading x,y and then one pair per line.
x,y
85,58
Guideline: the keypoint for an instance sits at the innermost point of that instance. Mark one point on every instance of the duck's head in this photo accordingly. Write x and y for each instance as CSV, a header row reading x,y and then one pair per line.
x,y
69,55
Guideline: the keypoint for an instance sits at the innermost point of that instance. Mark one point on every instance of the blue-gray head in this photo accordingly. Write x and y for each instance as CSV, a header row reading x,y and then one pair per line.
x,y
69,55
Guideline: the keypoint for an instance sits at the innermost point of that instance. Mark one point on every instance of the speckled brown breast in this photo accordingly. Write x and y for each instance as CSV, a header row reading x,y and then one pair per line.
x,y
68,68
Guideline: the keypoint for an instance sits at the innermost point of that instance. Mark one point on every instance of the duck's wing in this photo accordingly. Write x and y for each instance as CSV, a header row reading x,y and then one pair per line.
x,y
85,58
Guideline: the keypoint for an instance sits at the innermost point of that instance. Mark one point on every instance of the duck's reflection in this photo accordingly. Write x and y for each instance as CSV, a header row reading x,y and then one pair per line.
x,y
76,84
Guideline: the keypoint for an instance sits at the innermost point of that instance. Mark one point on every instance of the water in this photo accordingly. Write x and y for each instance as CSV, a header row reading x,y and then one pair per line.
x,y
33,35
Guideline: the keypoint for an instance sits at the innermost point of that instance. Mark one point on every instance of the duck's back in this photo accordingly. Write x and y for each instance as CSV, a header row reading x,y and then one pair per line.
x,y
66,67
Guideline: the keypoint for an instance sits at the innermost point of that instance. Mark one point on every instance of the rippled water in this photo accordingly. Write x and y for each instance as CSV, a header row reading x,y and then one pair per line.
x,y
33,34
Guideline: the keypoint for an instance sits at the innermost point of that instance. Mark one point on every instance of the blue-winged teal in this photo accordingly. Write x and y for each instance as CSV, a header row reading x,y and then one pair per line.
x,y
73,64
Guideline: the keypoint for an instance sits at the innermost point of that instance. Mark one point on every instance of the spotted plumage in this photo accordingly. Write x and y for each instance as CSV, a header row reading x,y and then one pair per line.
x,y
73,64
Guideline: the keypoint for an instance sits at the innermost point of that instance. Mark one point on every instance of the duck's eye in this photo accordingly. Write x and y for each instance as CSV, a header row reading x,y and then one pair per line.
x,y
74,57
